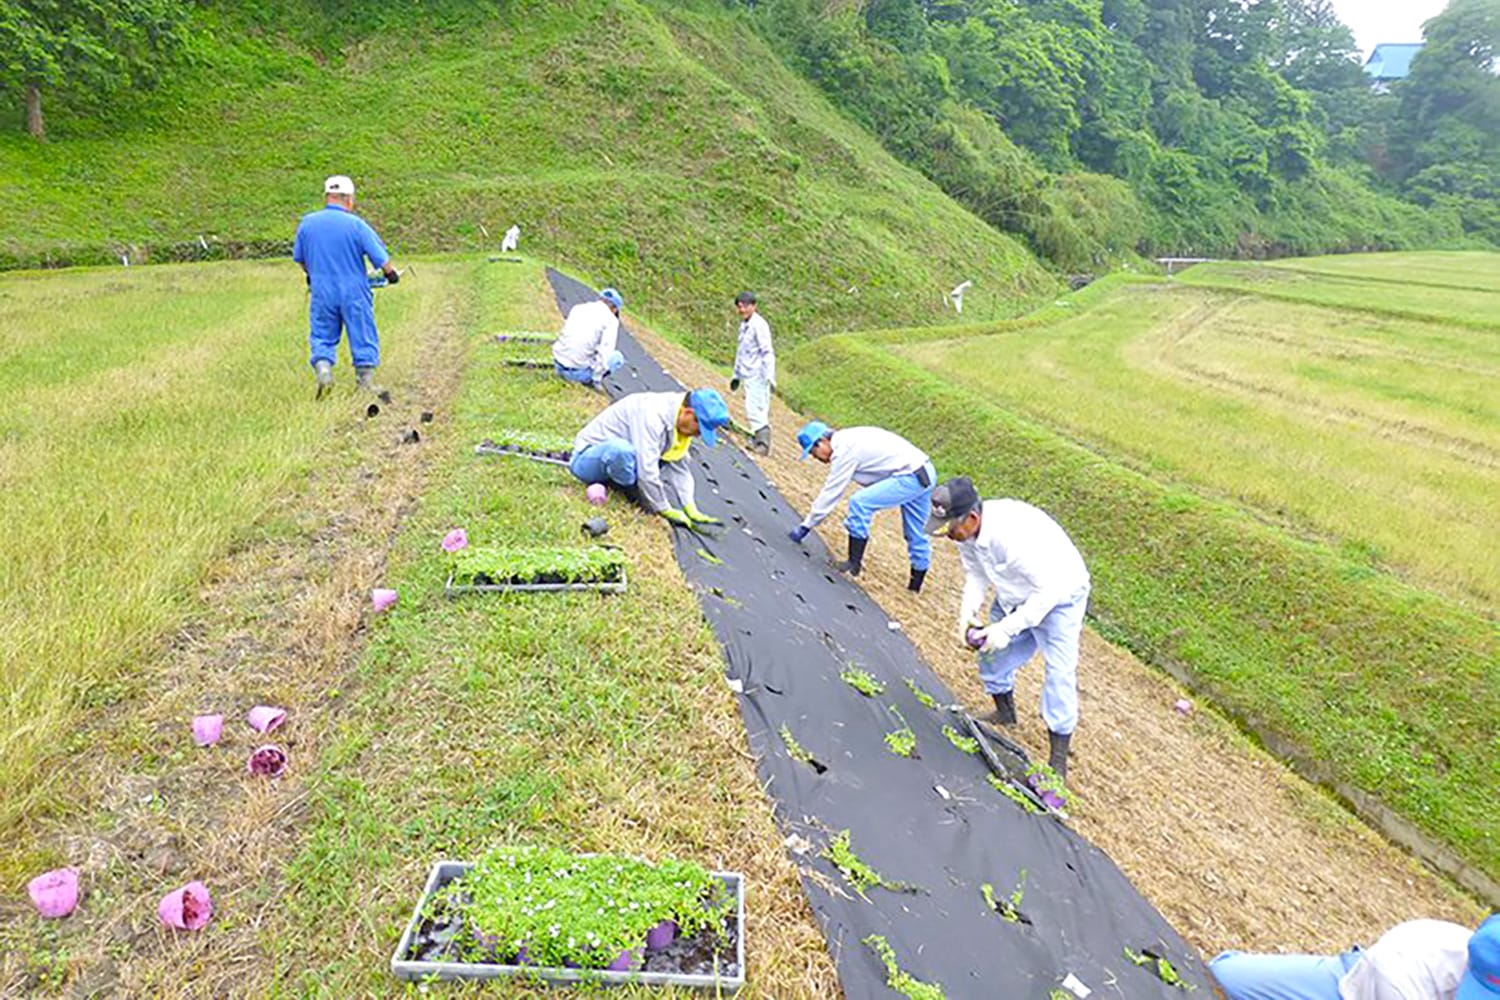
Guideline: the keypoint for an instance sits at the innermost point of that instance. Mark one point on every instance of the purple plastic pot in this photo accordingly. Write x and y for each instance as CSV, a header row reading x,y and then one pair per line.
x,y
974,636
264,718
455,540
186,909
382,598
624,963
661,936
597,494
1052,800
267,761
55,893
207,729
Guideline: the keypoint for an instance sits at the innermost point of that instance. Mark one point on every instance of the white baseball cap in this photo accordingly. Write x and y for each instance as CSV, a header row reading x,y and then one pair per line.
x,y
338,184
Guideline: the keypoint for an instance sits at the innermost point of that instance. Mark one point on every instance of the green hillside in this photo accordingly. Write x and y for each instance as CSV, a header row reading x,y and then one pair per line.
x,y
660,149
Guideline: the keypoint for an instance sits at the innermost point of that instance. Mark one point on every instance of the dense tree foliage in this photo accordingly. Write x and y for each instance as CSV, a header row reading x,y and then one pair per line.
x,y
1192,126
88,48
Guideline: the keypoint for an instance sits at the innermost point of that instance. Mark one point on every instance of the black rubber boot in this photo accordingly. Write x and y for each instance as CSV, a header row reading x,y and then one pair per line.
x,y
856,560
1005,709
760,441
1057,753
364,377
915,583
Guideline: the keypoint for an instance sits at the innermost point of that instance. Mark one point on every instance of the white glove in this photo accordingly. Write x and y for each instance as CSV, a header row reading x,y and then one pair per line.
x,y
994,639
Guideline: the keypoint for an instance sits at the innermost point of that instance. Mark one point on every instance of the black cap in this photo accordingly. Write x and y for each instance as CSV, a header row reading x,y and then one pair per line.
x,y
745,299
950,501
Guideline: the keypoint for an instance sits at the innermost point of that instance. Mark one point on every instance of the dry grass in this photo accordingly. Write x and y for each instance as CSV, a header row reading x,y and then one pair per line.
x,y
1235,850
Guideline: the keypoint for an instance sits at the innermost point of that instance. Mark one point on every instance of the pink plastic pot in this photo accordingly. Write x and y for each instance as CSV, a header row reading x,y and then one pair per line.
x,y
974,636
624,963
186,909
1183,706
661,936
267,761
55,893
382,598
207,729
456,540
264,718
597,494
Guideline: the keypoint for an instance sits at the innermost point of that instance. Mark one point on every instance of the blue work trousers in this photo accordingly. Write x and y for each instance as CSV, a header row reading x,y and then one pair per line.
x,y
351,309
610,462
1057,637
583,376
915,501
1281,977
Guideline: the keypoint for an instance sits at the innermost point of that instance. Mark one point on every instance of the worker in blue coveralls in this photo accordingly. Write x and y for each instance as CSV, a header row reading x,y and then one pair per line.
x,y
639,446
1417,960
331,246
894,473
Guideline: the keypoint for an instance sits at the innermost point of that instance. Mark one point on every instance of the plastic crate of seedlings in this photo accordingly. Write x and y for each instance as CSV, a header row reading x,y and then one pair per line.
x,y
524,337
499,570
524,444
550,916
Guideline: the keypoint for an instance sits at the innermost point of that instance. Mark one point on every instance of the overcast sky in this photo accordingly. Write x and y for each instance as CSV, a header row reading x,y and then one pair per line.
x,y
1376,21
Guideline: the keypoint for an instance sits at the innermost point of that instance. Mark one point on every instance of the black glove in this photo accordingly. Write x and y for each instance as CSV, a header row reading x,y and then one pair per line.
x,y
734,385
393,277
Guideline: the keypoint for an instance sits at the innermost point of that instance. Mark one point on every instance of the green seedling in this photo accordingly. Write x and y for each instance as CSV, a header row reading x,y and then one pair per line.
x,y
926,699
499,565
1163,969
563,908
858,874
709,557
895,978
863,682
1014,794
1043,779
794,749
967,744
1009,908
902,742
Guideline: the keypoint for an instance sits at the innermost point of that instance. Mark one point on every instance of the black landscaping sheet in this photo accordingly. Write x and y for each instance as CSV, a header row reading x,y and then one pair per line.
x,y
789,626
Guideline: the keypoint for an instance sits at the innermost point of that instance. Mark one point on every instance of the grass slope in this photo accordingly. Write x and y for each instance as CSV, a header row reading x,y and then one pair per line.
x,y
1382,433
148,414
540,719
1380,689
659,147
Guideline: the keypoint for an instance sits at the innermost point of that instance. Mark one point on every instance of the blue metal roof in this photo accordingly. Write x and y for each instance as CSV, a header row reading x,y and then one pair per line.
x,y
1391,62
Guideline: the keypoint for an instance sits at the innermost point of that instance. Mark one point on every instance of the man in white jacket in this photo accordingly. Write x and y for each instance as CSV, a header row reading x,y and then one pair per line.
x,y
585,350
639,446
1041,590
755,368
894,473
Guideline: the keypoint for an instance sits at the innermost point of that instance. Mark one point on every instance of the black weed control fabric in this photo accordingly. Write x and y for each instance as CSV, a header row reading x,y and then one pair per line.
x,y
789,626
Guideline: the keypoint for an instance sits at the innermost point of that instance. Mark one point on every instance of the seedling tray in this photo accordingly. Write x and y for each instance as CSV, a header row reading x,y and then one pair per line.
x,y
516,451
530,364
727,984
524,337
453,589
527,571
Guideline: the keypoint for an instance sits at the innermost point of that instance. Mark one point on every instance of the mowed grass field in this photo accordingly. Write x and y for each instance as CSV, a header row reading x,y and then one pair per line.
x,y
1377,432
149,414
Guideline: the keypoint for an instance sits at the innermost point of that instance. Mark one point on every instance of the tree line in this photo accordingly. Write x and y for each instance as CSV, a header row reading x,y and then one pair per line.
x,y
1216,127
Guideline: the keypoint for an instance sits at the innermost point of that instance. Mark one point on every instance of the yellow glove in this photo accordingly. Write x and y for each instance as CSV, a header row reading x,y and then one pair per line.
x,y
677,517
697,516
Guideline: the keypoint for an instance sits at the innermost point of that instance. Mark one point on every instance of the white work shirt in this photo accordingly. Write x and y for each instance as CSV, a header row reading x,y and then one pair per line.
x,y
648,420
1417,960
1026,557
588,337
865,455
755,357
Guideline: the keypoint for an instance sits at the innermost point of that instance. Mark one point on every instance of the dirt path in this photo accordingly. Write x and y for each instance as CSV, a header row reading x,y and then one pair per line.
x,y
278,621
1234,849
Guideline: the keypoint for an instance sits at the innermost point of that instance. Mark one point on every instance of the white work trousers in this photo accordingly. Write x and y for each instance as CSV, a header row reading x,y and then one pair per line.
x,y
1056,637
757,402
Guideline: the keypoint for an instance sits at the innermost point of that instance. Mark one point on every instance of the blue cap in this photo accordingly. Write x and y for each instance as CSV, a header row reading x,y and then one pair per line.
x,y
810,435
712,413
1482,981
613,298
